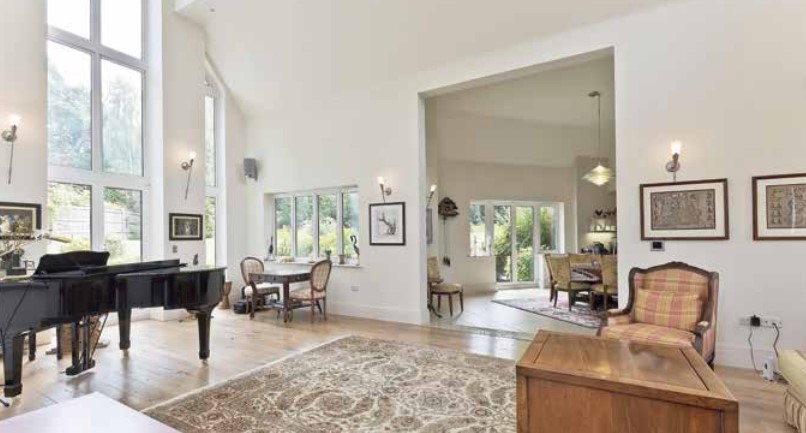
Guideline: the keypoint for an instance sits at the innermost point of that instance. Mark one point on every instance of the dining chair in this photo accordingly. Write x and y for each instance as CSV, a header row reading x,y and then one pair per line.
x,y
255,293
561,281
580,259
608,288
320,275
439,288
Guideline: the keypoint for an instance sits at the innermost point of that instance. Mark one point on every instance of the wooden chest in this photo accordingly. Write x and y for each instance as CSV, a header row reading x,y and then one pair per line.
x,y
582,384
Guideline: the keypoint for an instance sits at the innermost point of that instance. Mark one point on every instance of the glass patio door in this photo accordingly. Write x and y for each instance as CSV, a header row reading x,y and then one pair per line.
x,y
520,233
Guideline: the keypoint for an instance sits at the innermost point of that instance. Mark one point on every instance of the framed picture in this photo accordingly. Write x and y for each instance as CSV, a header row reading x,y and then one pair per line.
x,y
387,224
185,227
20,219
779,207
695,210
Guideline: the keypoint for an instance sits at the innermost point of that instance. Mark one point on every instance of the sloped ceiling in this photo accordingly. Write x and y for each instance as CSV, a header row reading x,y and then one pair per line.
x,y
270,52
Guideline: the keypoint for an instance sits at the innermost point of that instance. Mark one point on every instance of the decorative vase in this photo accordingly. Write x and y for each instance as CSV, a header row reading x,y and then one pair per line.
x,y
225,304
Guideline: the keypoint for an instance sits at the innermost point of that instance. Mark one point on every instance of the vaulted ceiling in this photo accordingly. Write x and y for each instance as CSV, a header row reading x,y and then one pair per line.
x,y
270,52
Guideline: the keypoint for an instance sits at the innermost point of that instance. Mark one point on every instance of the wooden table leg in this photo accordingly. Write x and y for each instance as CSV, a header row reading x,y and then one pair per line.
x,y
286,303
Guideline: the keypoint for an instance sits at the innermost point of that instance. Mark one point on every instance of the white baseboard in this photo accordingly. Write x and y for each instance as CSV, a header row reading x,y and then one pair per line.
x,y
738,355
376,313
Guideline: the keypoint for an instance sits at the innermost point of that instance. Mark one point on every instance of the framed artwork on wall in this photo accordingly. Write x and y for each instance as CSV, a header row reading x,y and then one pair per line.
x,y
779,207
20,219
185,227
387,224
694,210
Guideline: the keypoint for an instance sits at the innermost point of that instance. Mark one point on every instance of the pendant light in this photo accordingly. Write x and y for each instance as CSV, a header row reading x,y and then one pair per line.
x,y
599,175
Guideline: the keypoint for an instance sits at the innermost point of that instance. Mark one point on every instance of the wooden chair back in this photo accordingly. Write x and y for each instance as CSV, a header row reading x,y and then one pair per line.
x,y
320,275
250,265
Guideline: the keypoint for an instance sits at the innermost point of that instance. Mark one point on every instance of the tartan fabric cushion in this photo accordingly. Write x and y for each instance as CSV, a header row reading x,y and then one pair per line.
x,y
669,309
649,333
621,319
674,280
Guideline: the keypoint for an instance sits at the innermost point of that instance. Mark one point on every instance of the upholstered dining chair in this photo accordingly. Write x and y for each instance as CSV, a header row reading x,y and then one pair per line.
x,y
320,275
581,259
608,288
439,288
255,294
673,304
560,271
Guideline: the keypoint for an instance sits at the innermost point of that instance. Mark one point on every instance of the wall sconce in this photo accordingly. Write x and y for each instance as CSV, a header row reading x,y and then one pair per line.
x,y
673,166
188,167
385,190
10,135
430,196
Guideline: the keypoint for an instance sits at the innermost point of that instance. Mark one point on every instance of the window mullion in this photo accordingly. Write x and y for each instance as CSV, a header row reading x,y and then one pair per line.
x,y
294,226
96,108
340,223
97,219
95,22
315,224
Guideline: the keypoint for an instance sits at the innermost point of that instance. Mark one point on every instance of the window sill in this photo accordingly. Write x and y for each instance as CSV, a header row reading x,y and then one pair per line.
x,y
298,263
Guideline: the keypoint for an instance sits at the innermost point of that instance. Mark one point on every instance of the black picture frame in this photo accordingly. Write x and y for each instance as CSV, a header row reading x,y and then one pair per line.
x,y
196,233
398,238
32,209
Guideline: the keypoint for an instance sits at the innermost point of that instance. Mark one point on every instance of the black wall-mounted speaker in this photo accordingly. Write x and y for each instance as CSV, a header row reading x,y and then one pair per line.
x,y
250,168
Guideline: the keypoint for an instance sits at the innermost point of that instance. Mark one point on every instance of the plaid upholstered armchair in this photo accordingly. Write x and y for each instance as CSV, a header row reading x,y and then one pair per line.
x,y
673,303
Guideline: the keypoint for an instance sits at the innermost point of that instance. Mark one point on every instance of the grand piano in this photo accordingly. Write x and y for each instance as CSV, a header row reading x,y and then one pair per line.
x,y
70,289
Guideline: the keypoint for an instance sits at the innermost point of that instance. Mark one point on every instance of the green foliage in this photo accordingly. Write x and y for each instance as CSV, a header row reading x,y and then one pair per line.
x,y
122,122
69,136
209,218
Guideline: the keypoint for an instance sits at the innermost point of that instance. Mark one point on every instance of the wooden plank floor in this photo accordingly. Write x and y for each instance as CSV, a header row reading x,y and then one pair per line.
x,y
163,362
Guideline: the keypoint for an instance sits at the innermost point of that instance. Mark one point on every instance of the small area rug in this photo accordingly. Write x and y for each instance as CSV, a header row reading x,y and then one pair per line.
x,y
356,384
580,314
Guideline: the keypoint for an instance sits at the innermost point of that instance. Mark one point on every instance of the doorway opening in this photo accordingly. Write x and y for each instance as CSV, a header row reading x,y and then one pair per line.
x,y
514,153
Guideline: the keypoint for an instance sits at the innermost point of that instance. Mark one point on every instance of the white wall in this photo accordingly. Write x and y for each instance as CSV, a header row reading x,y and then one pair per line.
x,y
23,91
726,77
183,99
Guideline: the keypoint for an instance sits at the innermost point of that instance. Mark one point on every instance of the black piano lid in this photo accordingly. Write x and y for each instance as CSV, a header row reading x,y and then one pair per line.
x,y
184,269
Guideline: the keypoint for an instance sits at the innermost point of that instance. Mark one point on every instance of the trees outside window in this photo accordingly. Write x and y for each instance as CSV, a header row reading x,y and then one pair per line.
x,y
309,224
515,233
95,126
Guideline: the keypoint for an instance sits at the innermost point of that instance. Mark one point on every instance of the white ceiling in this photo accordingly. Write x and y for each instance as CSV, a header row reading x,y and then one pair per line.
x,y
544,119
270,52
555,97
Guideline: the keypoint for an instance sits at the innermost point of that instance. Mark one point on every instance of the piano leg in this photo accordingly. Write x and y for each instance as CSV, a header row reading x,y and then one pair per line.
x,y
59,342
32,346
12,365
125,327
203,318
75,354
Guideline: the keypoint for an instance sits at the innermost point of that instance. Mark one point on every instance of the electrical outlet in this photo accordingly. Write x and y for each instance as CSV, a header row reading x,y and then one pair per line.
x,y
766,321
771,322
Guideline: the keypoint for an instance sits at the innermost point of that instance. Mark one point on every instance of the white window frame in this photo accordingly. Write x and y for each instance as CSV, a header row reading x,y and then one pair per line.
x,y
340,241
96,178
215,191
539,272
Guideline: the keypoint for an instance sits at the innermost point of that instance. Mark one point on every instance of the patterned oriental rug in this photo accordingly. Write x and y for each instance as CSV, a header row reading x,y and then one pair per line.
x,y
580,313
356,384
